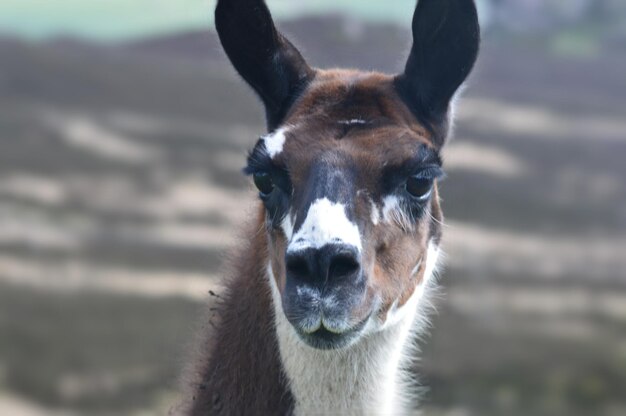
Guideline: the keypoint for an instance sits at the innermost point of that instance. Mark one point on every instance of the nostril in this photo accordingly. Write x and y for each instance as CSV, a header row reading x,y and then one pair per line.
x,y
317,266
297,266
343,265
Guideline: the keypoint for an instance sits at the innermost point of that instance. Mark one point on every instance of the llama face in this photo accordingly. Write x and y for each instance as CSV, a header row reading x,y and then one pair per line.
x,y
348,175
349,187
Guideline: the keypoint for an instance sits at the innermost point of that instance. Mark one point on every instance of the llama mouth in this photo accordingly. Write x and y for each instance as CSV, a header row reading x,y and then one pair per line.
x,y
323,339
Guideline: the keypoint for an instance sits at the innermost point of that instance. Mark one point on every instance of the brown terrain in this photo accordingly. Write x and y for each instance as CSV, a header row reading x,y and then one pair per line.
x,y
121,193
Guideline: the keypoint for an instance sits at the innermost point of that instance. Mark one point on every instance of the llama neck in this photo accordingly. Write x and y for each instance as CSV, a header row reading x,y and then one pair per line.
x,y
364,379
367,378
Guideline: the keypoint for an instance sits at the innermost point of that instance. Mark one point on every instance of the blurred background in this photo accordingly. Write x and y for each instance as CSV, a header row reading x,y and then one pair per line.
x,y
123,130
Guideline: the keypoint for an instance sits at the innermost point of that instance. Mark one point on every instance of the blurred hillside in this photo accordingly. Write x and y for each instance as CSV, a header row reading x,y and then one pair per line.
x,y
120,188
120,20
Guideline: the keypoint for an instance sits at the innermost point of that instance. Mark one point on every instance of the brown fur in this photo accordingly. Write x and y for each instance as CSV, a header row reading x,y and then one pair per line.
x,y
233,361
242,349
389,137
328,155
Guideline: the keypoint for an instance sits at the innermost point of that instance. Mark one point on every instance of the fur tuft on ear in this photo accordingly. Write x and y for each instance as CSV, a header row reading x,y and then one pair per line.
x,y
446,38
265,59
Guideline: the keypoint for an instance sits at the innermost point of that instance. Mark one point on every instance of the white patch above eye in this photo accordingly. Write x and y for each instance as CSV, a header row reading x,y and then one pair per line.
x,y
326,223
274,142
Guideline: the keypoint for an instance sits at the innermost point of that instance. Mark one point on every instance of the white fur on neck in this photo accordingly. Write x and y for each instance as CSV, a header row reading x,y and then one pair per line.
x,y
366,378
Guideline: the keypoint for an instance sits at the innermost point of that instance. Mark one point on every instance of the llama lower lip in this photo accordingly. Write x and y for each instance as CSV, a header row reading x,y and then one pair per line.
x,y
323,339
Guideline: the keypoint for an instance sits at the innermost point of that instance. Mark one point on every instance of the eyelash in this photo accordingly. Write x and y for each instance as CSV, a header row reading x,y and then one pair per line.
x,y
430,172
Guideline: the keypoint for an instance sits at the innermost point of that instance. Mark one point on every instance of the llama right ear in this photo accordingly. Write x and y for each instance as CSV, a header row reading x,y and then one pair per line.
x,y
446,37
268,62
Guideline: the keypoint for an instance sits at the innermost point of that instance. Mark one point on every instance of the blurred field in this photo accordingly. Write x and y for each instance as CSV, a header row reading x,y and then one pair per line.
x,y
120,192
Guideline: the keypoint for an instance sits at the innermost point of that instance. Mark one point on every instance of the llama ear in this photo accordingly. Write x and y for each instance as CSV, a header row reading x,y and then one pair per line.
x,y
268,62
446,37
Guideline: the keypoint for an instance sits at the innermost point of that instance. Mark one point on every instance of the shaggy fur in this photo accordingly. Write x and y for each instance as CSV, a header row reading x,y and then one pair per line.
x,y
327,296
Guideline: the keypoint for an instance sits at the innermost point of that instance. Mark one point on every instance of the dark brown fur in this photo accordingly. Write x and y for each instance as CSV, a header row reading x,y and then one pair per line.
x,y
242,349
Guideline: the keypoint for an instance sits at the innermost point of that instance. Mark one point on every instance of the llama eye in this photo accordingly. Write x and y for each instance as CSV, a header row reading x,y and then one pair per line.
x,y
419,188
264,183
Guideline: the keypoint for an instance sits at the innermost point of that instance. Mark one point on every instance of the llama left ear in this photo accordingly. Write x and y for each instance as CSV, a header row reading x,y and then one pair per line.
x,y
446,37
268,62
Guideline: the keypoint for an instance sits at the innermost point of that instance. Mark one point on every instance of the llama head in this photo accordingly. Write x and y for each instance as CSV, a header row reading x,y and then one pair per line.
x,y
348,174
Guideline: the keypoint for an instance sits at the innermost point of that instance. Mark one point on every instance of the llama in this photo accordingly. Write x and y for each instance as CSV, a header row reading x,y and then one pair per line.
x,y
328,294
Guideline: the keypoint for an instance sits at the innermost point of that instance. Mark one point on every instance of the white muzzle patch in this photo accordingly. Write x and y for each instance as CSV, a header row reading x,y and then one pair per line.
x,y
326,223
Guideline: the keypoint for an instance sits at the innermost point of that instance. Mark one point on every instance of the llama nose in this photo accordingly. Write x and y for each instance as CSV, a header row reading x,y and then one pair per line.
x,y
330,263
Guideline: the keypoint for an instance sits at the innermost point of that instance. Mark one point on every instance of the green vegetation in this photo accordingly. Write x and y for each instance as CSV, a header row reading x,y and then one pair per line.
x,y
120,19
